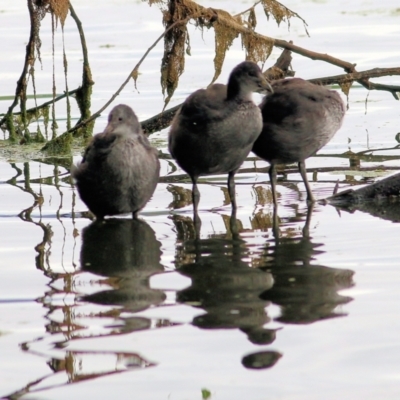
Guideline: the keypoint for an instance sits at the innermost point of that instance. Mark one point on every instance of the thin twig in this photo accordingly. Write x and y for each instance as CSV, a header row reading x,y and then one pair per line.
x,y
363,78
47,103
347,66
132,74
249,9
85,92
282,5
354,76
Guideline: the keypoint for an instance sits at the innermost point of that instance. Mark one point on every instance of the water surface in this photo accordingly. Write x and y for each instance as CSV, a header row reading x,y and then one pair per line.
x,y
95,309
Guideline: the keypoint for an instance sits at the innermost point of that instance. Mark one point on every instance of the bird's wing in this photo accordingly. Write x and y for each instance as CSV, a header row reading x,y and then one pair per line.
x,y
205,105
99,147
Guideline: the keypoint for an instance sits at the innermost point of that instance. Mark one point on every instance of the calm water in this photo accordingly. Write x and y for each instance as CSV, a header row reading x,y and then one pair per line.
x,y
140,307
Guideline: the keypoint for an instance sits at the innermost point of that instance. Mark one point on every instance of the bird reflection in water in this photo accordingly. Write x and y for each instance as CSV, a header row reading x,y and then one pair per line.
x,y
235,295
127,252
224,284
305,292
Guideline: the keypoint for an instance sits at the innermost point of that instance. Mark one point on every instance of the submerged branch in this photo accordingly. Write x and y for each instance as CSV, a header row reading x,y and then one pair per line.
x,y
384,189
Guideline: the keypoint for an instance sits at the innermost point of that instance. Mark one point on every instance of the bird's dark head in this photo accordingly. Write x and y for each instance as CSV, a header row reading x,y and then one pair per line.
x,y
122,120
247,78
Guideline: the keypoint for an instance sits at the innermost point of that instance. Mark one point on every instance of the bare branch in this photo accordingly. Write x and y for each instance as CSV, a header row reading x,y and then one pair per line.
x,y
279,71
83,96
164,119
48,103
133,75
354,76
363,78
20,92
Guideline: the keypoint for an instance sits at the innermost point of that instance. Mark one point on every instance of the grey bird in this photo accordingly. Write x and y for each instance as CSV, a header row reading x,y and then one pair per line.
x,y
120,169
299,118
214,130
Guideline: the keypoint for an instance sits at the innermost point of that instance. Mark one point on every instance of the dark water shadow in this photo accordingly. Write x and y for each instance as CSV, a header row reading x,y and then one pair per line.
x,y
126,252
225,285
235,295
386,209
305,291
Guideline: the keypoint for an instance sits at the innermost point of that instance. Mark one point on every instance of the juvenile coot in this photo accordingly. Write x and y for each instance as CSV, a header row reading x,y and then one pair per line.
x,y
298,119
120,169
214,130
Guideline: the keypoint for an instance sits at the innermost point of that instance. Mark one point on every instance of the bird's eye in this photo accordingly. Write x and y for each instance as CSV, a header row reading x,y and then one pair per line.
x,y
120,119
252,73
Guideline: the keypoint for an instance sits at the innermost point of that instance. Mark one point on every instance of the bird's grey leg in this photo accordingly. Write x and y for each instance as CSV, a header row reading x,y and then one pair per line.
x,y
231,188
275,223
233,224
303,173
195,200
272,179
196,224
275,218
195,194
306,228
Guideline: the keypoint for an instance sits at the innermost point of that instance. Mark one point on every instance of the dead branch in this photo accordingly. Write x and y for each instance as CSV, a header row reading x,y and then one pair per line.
x,y
184,178
267,9
159,121
385,188
251,40
83,96
48,103
164,119
313,55
133,75
347,66
363,77
279,71
20,92
201,12
281,68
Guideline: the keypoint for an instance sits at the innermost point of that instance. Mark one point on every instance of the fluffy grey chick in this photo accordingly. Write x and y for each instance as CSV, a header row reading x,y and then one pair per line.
x,y
214,130
120,169
299,118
